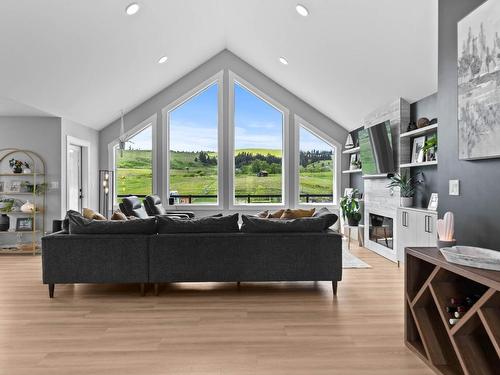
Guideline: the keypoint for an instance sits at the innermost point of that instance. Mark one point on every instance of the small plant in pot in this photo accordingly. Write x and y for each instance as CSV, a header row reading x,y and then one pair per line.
x,y
350,208
407,186
430,148
18,165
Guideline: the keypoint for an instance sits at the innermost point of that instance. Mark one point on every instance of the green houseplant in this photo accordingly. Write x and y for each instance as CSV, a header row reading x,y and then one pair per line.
x,y
407,186
350,208
430,148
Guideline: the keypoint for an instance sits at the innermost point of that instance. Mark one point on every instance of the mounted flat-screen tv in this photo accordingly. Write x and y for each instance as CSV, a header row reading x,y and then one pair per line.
x,y
375,151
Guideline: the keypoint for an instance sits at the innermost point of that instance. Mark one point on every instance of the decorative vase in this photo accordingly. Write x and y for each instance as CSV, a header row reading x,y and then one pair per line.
x,y
422,122
28,208
4,223
27,171
17,170
406,201
352,222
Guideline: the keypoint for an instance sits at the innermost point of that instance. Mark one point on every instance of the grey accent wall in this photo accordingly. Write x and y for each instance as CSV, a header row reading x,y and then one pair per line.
x,y
76,130
225,61
43,136
426,107
477,209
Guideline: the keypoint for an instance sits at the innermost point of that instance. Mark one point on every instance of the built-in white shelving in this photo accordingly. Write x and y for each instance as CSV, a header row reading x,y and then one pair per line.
x,y
352,171
421,164
351,150
424,130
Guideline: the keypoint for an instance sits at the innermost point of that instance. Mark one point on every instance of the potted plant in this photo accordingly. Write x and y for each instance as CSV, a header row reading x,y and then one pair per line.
x,y
5,207
407,186
350,208
17,165
430,148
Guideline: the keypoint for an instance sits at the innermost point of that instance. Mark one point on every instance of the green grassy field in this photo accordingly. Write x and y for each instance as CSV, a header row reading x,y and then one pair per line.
x,y
189,176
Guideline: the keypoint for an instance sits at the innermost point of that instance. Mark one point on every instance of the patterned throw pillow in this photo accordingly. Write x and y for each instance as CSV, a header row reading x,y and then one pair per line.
x,y
118,215
90,214
297,214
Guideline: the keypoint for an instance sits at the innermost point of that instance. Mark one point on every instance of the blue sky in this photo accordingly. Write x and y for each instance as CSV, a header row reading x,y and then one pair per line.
x,y
193,125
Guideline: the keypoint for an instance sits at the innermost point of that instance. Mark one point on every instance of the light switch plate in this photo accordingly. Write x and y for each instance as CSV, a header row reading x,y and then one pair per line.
x,y
454,187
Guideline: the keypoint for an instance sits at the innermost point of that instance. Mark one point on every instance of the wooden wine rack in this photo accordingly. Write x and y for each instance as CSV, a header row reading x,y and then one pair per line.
x,y
471,346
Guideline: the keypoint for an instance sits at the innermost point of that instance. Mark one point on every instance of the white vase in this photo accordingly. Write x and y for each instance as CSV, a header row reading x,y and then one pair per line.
x,y
28,207
406,201
27,171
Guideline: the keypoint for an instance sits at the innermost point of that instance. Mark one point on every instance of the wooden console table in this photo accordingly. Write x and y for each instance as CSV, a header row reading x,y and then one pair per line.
x,y
470,346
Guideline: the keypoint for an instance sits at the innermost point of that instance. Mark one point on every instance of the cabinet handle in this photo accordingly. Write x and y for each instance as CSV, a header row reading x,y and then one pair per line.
x,y
427,224
405,218
430,224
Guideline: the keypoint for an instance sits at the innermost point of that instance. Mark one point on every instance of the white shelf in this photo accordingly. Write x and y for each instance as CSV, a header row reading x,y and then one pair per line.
x,y
422,164
352,171
424,130
351,150
381,175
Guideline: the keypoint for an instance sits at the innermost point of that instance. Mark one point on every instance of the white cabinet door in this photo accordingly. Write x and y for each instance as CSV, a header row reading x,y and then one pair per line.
x,y
407,234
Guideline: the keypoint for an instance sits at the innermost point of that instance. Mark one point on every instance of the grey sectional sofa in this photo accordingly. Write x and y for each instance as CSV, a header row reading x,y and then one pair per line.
x,y
191,257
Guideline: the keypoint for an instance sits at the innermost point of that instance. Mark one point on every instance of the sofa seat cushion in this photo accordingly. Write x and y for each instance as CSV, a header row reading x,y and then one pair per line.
x,y
212,224
252,224
80,225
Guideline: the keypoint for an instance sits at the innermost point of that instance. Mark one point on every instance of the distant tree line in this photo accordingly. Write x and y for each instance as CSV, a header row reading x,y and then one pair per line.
x,y
204,158
245,158
313,156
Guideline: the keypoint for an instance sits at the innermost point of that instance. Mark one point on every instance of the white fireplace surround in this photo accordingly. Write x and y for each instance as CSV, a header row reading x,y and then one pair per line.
x,y
380,200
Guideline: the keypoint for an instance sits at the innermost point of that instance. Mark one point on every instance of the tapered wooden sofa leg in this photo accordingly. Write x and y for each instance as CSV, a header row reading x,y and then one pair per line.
x,y
238,283
157,289
51,290
143,289
334,288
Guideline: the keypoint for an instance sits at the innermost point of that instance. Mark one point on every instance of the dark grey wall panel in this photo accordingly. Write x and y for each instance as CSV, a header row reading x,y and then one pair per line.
x,y
477,209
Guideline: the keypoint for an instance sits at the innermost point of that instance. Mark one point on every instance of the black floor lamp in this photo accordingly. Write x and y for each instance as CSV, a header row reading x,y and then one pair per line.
x,y
106,191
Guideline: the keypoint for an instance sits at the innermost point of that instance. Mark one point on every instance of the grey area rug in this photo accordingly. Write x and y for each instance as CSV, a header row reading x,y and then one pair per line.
x,y
350,261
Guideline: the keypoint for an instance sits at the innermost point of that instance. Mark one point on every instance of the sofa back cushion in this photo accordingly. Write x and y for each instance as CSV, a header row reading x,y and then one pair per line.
x,y
80,225
153,205
212,224
252,224
329,216
133,207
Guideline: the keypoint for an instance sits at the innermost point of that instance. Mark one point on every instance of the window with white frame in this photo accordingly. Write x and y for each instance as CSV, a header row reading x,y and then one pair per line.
x,y
317,168
258,128
134,164
193,142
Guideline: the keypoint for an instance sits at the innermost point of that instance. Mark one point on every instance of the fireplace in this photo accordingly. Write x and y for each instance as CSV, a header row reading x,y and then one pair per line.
x,y
380,230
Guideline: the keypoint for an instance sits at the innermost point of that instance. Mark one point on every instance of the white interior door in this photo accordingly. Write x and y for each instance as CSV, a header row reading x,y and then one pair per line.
x,y
74,188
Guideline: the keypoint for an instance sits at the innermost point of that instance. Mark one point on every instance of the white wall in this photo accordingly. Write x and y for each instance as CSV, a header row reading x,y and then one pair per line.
x,y
224,61
43,136
74,130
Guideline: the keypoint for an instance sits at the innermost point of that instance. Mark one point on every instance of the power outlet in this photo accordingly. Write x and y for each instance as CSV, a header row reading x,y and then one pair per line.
x,y
454,187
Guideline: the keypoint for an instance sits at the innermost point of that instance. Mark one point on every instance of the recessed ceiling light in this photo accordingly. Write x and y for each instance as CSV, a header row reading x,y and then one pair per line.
x,y
162,60
302,10
132,9
283,60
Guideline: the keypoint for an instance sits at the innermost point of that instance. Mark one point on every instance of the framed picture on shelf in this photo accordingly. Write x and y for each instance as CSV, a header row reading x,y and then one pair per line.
x,y
417,155
15,187
24,224
353,161
433,202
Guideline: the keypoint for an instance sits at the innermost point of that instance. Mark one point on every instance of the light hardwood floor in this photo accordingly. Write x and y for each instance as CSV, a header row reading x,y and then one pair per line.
x,y
278,328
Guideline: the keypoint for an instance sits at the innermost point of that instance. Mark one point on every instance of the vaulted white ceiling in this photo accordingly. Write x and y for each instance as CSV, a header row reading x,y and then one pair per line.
x,y
86,60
